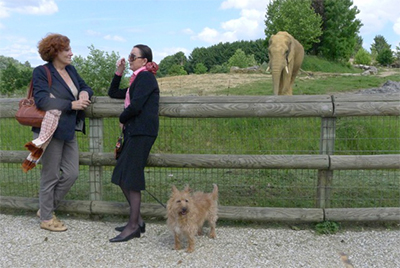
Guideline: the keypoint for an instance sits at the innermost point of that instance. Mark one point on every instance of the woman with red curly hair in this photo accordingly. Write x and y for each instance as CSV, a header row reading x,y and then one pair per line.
x,y
69,95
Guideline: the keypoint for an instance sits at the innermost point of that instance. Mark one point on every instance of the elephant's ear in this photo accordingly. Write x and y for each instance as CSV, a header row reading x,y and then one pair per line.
x,y
291,50
270,39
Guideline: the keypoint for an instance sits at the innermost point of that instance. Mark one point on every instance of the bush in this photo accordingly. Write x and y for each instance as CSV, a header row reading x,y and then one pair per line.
x,y
362,57
200,68
220,68
385,57
241,60
176,69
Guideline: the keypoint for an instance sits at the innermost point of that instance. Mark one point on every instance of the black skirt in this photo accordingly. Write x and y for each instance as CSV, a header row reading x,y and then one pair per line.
x,y
129,170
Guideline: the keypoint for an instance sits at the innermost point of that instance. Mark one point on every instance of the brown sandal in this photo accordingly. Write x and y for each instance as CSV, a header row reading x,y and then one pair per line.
x,y
54,225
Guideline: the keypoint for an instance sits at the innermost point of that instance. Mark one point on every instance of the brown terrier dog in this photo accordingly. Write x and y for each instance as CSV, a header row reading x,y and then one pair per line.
x,y
186,214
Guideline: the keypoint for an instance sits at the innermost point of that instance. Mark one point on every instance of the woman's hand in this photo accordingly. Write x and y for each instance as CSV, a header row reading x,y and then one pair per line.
x,y
121,63
84,95
80,104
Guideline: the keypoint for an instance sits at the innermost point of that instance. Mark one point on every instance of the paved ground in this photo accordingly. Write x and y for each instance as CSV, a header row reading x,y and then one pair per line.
x,y
85,244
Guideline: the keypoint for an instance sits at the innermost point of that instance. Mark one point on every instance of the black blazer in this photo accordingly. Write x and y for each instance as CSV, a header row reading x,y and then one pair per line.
x,y
63,99
141,116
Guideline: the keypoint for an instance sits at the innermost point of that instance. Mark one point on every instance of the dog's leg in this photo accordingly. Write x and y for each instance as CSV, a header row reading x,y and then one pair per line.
x,y
200,230
191,243
212,229
177,242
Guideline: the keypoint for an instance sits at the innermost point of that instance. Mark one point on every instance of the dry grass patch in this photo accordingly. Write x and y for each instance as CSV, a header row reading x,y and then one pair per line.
x,y
205,84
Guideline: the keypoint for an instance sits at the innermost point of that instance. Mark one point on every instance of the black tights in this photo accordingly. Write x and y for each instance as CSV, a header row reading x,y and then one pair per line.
x,y
134,200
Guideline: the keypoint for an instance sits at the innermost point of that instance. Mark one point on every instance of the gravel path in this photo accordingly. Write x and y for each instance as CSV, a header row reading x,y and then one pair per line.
x,y
85,244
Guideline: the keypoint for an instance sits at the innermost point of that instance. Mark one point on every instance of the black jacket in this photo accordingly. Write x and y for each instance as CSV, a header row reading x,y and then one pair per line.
x,y
141,116
62,101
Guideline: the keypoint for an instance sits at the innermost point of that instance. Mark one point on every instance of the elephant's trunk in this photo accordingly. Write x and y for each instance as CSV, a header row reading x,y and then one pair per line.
x,y
276,80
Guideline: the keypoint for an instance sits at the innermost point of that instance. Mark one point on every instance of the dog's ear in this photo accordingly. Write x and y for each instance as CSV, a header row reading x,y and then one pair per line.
x,y
174,190
187,188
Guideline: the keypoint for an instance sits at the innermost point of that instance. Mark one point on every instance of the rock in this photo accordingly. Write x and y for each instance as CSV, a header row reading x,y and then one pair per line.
x,y
388,87
371,70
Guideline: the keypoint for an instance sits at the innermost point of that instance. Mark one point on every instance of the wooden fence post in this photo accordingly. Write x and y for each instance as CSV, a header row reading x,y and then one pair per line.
x,y
96,146
327,147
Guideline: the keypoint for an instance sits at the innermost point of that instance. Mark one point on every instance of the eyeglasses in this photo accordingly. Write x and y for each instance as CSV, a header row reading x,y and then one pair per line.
x,y
133,57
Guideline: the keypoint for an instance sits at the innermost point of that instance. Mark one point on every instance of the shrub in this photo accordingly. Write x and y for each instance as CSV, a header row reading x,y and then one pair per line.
x,y
176,69
385,57
220,68
362,57
200,68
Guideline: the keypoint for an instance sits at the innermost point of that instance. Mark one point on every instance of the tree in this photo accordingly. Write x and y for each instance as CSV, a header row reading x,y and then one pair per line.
x,y
176,69
241,60
397,56
14,76
223,68
178,58
358,45
9,77
216,57
295,17
340,29
200,68
202,55
5,61
378,45
385,56
97,69
362,57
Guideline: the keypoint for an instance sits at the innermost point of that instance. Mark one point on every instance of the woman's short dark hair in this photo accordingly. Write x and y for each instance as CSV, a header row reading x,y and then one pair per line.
x,y
146,52
51,45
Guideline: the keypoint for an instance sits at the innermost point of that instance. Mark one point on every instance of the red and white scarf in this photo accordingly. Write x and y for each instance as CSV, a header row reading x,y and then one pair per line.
x,y
38,146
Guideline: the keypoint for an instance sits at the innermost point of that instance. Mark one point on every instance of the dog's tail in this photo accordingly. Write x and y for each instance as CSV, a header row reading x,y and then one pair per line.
x,y
214,193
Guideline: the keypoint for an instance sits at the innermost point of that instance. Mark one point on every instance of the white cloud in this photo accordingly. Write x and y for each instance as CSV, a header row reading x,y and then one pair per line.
x,y
396,27
249,25
93,33
20,51
208,35
3,11
375,14
188,31
159,55
245,4
34,7
114,38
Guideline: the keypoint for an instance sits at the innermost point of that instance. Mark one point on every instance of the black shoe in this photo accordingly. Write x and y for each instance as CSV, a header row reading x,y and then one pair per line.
x,y
142,228
118,238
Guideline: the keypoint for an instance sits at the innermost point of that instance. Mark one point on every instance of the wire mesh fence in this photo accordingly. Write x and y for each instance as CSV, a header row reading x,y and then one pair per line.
x,y
236,136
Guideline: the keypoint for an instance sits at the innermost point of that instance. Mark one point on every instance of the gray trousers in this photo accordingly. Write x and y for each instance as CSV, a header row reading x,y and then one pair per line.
x,y
60,170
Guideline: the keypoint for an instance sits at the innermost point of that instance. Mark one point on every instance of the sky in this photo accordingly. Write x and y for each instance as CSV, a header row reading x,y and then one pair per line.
x,y
166,26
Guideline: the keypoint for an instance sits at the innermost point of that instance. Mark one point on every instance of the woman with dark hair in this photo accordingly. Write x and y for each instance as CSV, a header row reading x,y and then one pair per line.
x,y
67,97
140,123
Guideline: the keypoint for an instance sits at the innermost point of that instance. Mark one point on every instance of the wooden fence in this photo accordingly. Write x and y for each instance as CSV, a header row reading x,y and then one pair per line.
x,y
327,107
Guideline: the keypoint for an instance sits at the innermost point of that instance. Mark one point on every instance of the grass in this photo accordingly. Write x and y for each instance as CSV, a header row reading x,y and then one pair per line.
x,y
272,188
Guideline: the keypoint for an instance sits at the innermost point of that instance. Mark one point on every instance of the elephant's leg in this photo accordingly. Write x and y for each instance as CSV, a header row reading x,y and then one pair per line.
x,y
286,85
292,79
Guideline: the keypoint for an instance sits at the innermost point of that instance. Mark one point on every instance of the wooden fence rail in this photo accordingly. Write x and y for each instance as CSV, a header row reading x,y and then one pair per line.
x,y
327,107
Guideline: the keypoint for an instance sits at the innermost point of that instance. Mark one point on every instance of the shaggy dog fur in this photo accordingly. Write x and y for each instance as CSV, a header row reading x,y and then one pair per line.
x,y
186,214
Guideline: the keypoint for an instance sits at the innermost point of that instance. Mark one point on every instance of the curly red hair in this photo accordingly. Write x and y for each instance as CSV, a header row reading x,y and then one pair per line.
x,y
51,45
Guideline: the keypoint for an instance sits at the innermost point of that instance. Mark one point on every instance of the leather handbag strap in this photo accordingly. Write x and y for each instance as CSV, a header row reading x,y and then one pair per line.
x,y
49,81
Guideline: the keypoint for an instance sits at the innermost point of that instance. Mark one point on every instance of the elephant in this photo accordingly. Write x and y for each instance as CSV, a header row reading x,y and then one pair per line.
x,y
285,58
